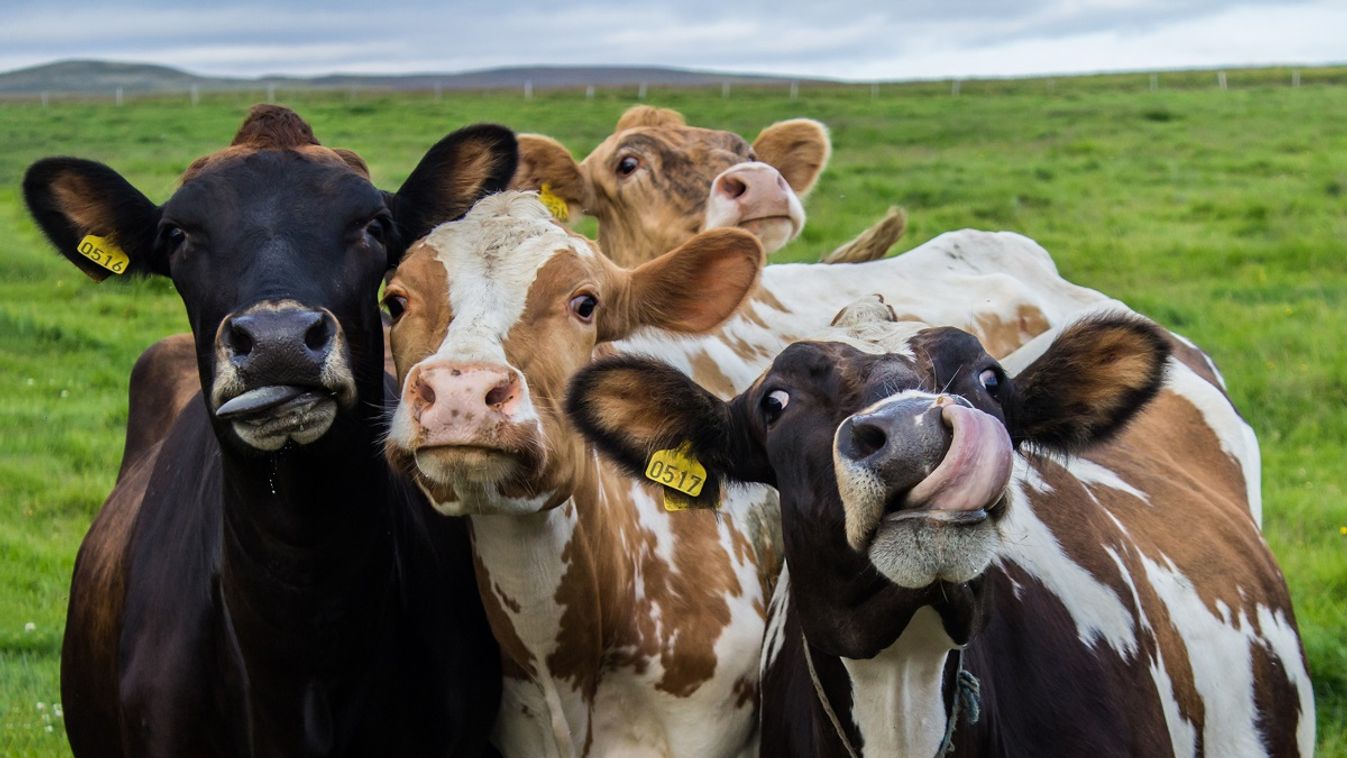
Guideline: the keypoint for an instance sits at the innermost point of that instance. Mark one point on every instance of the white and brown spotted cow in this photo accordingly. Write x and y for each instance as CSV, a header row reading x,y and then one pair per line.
x,y
625,630
946,515
656,181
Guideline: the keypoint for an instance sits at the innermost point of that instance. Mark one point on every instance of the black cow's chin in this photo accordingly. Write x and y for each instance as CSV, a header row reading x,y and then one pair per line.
x,y
300,419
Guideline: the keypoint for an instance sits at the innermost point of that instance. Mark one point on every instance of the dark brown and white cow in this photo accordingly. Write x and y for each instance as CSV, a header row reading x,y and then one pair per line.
x,y
260,582
945,514
625,629
656,181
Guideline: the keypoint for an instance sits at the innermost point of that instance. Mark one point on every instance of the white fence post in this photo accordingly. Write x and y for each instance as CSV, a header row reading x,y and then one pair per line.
x,y
439,91
589,92
794,90
528,89
194,94
874,90
640,93
1155,82
119,97
954,87
1295,78
724,90
271,92
1220,79
44,98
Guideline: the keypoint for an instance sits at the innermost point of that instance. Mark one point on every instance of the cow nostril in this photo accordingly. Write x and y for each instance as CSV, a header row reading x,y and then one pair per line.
x,y
424,392
317,336
240,341
501,394
867,439
732,187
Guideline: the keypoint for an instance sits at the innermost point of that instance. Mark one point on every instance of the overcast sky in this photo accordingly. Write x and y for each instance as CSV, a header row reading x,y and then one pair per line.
x,y
848,39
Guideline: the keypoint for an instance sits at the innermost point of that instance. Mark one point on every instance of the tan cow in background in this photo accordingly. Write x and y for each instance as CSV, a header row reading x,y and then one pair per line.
x,y
656,181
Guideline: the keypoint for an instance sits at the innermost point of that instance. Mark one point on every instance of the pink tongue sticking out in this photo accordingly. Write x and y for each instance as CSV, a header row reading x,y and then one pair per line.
x,y
976,468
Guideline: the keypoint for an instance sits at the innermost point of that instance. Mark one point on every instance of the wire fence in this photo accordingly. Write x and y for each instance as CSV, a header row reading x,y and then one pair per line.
x,y
798,89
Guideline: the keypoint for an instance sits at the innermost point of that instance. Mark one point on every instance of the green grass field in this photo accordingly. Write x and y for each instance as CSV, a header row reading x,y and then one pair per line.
x,y
1222,214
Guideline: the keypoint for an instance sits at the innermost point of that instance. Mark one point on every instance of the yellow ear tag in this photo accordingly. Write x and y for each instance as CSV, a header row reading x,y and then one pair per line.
x,y
680,472
555,205
104,252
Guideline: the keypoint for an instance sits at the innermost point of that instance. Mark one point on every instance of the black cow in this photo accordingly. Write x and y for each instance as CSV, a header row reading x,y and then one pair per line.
x,y
991,560
260,583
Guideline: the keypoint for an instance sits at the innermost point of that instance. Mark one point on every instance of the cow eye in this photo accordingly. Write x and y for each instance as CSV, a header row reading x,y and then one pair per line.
x,y
377,229
173,236
396,304
773,403
627,165
991,380
583,306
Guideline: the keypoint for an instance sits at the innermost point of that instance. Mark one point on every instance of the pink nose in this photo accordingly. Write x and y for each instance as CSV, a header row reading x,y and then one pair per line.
x,y
759,191
457,404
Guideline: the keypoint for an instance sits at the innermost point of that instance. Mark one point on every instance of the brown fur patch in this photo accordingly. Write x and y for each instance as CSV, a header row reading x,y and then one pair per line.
x,y
543,160
82,206
646,115
273,127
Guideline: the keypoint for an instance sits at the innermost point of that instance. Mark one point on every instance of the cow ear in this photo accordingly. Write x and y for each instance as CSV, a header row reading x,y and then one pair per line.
x,y
94,217
546,167
692,288
630,407
1094,377
459,170
798,148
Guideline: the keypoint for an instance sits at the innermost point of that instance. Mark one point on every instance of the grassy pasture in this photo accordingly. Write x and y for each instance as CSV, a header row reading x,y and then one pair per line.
x,y
1221,213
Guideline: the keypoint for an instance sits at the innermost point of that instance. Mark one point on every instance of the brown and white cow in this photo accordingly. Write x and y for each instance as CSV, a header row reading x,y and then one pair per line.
x,y
945,515
259,582
656,181
625,629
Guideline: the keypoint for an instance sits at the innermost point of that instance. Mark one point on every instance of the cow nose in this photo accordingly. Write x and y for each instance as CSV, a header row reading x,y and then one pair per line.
x,y
900,442
757,188
446,395
279,346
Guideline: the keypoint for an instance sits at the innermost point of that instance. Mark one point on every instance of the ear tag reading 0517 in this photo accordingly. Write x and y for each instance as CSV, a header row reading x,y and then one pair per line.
x,y
680,472
555,204
104,252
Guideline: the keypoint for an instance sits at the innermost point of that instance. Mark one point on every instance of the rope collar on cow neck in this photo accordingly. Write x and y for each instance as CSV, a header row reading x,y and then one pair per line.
x,y
967,697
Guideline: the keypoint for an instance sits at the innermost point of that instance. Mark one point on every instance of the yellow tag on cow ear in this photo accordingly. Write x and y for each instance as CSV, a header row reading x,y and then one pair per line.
x,y
558,207
682,475
105,253
677,469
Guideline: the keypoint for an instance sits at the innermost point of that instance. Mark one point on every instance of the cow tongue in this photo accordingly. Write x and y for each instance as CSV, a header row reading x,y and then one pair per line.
x,y
975,470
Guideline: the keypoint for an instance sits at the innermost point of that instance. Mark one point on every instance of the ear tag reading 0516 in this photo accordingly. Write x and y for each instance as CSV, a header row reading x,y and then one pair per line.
x,y
555,204
104,252
680,472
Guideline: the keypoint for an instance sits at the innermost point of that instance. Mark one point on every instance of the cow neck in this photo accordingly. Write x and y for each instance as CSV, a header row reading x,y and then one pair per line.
x,y
306,570
542,564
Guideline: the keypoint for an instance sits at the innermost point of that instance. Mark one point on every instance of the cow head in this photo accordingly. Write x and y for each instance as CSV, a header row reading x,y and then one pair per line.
x,y
494,314
892,453
656,181
277,246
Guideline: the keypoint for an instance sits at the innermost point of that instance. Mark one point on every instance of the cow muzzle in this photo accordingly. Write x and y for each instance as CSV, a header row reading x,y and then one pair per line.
x,y
923,481
470,422
755,197
282,373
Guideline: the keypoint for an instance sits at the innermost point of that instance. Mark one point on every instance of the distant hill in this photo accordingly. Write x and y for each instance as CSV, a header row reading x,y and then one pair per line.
x,y
87,76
